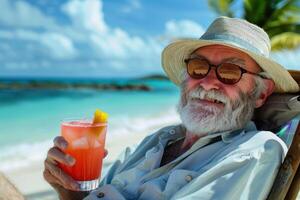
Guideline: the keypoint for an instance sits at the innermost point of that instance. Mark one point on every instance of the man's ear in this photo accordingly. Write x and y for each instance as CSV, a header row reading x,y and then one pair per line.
x,y
270,86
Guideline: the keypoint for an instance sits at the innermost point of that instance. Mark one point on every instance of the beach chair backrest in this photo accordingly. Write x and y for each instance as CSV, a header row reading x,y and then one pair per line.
x,y
284,120
281,115
287,182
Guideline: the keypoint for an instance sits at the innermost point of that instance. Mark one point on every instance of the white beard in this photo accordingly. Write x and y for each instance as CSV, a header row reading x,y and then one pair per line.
x,y
201,119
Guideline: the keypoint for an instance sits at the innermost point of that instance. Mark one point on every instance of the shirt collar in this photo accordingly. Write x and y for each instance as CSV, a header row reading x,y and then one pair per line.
x,y
178,132
173,132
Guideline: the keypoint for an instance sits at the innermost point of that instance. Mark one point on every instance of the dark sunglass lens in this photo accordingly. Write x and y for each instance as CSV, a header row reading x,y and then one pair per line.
x,y
197,68
229,73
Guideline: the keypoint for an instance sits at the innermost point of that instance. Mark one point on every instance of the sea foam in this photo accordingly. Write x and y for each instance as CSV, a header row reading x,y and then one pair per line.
x,y
23,155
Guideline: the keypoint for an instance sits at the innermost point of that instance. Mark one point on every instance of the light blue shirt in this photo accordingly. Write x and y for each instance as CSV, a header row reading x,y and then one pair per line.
x,y
241,165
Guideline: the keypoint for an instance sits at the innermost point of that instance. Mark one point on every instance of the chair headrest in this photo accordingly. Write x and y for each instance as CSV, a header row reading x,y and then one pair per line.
x,y
296,75
277,110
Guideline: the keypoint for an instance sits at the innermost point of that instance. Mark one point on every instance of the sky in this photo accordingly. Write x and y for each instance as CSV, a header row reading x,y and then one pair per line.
x,y
98,38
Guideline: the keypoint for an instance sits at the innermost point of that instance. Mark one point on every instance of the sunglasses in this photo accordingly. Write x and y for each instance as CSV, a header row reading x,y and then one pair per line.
x,y
227,73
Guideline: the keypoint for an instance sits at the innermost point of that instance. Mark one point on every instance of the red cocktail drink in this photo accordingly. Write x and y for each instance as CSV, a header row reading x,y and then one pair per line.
x,y
86,144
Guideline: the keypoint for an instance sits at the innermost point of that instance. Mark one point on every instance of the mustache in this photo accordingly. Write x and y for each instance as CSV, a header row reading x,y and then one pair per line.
x,y
200,93
215,95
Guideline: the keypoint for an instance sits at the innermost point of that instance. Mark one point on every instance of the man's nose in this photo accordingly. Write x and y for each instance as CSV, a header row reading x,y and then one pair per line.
x,y
210,81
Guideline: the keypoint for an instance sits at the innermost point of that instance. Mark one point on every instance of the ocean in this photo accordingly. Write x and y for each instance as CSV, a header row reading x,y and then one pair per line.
x,y
30,119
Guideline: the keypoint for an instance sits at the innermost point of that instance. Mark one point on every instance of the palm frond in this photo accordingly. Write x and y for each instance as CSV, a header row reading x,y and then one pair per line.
x,y
279,28
279,18
222,7
287,17
285,8
254,11
288,40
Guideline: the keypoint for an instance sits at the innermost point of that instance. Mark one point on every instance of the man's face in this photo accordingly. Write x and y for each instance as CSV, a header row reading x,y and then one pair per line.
x,y
208,105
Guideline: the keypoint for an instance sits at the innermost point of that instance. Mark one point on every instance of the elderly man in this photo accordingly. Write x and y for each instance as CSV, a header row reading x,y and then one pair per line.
x,y
216,153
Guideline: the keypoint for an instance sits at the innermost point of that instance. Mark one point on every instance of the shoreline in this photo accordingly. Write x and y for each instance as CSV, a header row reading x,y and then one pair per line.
x,y
129,84
34,85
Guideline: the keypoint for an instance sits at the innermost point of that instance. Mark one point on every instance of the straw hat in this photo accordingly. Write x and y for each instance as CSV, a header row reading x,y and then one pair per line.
x,y
235,33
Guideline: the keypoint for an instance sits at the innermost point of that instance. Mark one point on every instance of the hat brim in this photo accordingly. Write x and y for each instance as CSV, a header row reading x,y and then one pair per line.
x,y
173,57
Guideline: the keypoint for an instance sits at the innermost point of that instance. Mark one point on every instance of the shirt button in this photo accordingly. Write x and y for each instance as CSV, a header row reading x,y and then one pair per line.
x,y
188,178
172,132
155,149
100,195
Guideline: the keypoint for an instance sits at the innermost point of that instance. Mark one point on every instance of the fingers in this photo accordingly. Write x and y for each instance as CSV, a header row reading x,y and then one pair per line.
x,y
50,178
54,154
54,174
60,142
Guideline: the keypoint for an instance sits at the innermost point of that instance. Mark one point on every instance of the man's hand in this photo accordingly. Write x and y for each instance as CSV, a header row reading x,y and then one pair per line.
x,y
64,184
52,173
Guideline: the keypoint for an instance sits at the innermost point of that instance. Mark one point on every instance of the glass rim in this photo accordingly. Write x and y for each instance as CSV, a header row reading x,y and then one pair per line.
x,y
67,121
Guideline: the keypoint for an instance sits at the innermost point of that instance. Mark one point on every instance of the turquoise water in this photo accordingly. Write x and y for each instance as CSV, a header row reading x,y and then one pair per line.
x,y
29,120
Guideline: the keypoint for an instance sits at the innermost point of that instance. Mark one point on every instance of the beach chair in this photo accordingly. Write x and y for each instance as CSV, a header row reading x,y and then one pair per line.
x,y
281,115
287,182
8,191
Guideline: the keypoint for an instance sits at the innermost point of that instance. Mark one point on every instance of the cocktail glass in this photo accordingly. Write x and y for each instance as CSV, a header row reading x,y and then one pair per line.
x,y
86,144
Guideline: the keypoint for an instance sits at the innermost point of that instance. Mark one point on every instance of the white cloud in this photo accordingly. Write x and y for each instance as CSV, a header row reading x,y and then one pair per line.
x,y
183,28
132,6
86,14
12,65
60,46
20,34
106,42
22,14
6,34
57,46
117,44
87,38
23,34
